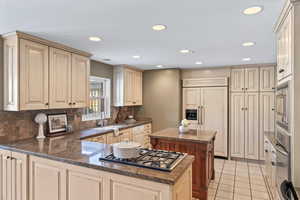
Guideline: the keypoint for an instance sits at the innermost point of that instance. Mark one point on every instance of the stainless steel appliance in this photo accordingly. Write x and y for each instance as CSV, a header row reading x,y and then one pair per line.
x,y
192,114
283,106
152,159
283,159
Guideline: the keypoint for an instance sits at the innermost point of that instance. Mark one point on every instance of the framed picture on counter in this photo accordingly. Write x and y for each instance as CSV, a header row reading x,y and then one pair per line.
x,y
57,123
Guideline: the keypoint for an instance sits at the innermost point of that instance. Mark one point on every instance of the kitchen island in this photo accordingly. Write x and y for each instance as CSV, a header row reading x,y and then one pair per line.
x,y
199,143
67,168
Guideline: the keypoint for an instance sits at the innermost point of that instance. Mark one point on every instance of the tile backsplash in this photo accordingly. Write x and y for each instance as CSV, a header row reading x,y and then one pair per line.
x,y
21,125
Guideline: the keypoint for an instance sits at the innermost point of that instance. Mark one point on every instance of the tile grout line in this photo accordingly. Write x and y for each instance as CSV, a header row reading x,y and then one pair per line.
x,y
234,180
249,180
215,196
266,184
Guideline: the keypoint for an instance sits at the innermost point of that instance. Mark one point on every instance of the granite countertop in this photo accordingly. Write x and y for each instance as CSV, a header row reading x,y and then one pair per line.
x,y
93,132
70,149
199,136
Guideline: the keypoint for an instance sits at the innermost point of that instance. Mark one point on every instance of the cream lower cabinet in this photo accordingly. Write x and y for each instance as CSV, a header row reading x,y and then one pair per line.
x,y
14,181
267,119
52,180
245,125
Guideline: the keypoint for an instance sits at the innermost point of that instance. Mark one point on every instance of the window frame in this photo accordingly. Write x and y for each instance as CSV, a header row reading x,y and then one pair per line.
x,y
107,101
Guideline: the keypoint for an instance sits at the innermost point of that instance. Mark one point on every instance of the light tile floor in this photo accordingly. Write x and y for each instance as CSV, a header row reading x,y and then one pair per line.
x,y
236,180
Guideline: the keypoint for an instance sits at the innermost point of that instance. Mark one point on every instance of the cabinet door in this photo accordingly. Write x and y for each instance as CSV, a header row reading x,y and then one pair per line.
x,y
6,181
237,80
267,79
60,79
237,125
287,46
214,100
251,125
80,81
111,139
138,82
129,76
82,185
252,79
47,179
267,118
19,175
280,64
126,135
34,66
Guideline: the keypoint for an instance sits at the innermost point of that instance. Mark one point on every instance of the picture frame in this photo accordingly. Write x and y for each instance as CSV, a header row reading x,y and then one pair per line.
x,y
57,123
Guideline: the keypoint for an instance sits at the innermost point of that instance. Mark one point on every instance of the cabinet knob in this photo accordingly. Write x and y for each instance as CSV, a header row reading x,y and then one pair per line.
x,y
281,71
70,103
47,104
134,102
74,103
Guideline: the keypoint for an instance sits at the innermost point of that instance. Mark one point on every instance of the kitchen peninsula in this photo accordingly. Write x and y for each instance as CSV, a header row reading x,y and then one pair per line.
x,y
199,143
67,167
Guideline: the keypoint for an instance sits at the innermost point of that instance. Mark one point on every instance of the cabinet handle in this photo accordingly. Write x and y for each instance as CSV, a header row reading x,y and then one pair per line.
x,y
273,88
8,157
246,88
47,104
243,88
273,109
281,71
74,103
246,108
266,151
70,103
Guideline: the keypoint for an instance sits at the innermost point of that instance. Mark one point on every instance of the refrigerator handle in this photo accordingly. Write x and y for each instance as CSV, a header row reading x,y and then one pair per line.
x,y
202,115
199,115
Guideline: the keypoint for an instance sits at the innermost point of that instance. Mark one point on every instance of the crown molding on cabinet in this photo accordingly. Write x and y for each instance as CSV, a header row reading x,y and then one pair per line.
x,y
32,38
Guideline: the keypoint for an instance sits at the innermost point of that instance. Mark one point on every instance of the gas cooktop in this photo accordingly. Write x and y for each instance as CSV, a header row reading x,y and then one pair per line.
x,y
152,159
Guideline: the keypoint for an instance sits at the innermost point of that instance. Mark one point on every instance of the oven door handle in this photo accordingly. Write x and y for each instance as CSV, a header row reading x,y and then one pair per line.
x,y
280,150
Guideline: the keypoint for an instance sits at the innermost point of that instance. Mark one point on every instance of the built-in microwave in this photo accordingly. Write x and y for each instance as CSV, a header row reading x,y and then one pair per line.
x,y
191,114
283,106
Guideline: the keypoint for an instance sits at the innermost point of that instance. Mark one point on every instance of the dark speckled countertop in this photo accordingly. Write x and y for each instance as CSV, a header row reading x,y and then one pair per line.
x,y
199,136
70,149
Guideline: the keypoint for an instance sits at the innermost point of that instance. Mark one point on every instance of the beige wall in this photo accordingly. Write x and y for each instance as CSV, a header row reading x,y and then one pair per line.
x,y
162,98
101,69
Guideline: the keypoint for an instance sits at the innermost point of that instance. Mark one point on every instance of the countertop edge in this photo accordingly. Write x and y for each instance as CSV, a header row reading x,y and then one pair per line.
x,y
183,139
188,159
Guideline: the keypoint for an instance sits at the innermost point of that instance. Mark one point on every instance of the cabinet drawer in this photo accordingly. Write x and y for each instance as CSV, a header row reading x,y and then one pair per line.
x,y
100,139
111,138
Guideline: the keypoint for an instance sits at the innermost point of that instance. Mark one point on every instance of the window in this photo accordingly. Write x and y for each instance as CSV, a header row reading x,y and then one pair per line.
x,y
99,105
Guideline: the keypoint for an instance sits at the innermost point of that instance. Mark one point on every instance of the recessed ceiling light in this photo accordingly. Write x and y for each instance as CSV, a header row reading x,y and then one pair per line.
x,y
159,27
253,10
95,39
248,44
199,63
185,51
246,59
159,66
136,57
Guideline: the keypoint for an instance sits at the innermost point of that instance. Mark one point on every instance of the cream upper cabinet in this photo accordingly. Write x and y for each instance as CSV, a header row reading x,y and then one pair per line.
x,y
245,79
237,125
267,79
237,80
251,125
40,74
267,118
34,84
80,81
284,48
252,79
127,87
13,176
60,79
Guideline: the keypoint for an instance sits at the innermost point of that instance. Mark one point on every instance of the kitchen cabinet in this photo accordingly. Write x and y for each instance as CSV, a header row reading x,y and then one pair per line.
x,y
208,101
140,134
60,78
54,172
267,118
125,135
34,84
267,79
244,125
112,138
251,125
80,81
284,47
100,139
40,74
127,86
237,125
245,79
13,175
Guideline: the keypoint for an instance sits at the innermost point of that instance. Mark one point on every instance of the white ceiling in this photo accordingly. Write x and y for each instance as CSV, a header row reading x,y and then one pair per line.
x,y
214,29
